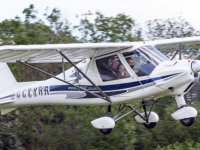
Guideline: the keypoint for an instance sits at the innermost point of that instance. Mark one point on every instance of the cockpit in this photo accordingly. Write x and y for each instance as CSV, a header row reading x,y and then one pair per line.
x,y
142,61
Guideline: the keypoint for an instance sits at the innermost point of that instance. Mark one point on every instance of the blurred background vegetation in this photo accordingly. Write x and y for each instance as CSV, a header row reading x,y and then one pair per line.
x,y
68,127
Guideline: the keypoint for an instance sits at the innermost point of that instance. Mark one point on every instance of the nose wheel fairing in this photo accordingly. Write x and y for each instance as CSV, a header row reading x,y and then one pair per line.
x,y
185,114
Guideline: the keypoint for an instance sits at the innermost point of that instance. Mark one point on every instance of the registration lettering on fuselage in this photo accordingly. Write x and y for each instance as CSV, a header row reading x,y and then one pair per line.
x,y
31,92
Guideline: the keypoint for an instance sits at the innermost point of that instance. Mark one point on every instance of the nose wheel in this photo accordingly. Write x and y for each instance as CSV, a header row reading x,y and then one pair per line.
x,y
187,121
105,131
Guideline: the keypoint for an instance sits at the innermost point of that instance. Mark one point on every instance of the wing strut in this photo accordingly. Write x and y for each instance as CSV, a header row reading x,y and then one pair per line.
x,y
63,69
179,51
102,93
46,73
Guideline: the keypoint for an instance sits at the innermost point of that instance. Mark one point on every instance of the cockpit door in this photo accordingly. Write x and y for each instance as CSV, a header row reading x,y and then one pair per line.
x,y
111,68
141,64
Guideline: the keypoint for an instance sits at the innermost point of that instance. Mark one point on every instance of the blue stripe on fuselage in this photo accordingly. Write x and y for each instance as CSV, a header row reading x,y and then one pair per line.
x,y
112,87
6,97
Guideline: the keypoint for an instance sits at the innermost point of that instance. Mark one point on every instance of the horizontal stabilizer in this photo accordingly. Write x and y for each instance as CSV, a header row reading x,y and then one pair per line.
x,y
6,110
7,79
6,101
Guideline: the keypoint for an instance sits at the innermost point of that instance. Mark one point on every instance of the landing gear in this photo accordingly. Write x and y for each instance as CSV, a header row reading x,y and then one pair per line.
x,y
185,114
108,130
187,121
106,124
148,118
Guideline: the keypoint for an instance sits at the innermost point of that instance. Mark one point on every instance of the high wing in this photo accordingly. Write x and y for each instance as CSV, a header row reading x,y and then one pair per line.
x,y
47,53
167,45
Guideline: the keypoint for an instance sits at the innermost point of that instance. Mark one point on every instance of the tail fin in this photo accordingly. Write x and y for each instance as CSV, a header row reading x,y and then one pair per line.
x,y
6,77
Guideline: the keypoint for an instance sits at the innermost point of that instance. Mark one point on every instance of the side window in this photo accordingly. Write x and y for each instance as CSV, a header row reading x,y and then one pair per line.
x,y
139,62
111,68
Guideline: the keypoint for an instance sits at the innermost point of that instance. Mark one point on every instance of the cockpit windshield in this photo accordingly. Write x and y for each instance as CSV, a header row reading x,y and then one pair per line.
x,y
140,62
156,52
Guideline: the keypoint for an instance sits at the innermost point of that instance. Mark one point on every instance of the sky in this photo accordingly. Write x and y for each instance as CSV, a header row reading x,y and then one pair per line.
x,y
140,10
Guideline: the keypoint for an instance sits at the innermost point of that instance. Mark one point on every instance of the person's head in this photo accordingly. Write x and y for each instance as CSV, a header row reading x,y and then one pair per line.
x,y
130,61
114,63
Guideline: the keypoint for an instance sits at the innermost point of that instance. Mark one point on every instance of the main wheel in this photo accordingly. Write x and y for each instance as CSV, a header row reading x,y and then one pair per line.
x,y
187,121
150,125
105,131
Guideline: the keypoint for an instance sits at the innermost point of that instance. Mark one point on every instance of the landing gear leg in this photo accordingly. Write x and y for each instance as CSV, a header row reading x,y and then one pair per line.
x,y
109,110
147,124
105,124
108,130
145,111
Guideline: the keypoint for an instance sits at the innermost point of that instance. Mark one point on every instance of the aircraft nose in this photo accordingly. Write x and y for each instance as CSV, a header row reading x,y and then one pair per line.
x,y
195,65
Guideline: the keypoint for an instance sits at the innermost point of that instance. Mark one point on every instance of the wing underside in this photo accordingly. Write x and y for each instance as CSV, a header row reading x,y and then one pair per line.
x,y
48,53
167,45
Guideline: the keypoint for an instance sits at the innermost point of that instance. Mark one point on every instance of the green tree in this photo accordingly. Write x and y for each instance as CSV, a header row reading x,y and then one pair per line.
x,y
61,27
120,28
30,13
169,28
16,32
26,128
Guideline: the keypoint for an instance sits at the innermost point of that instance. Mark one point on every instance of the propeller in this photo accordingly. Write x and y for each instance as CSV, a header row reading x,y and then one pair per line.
x,y
194,92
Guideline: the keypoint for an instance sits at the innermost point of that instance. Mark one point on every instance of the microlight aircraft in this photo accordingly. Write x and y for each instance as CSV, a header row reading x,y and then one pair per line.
x,y
105,74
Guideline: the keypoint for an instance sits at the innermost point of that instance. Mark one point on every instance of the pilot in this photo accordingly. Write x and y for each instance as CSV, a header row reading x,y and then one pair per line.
x,y
113,64
109,69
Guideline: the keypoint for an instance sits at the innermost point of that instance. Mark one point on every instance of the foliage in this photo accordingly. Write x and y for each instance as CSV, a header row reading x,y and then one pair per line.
x,y
68,127
169,28
188,145
108,29
52,127
61,27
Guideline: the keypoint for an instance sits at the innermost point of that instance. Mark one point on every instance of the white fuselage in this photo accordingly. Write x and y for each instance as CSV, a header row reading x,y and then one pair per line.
x,y
168,78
